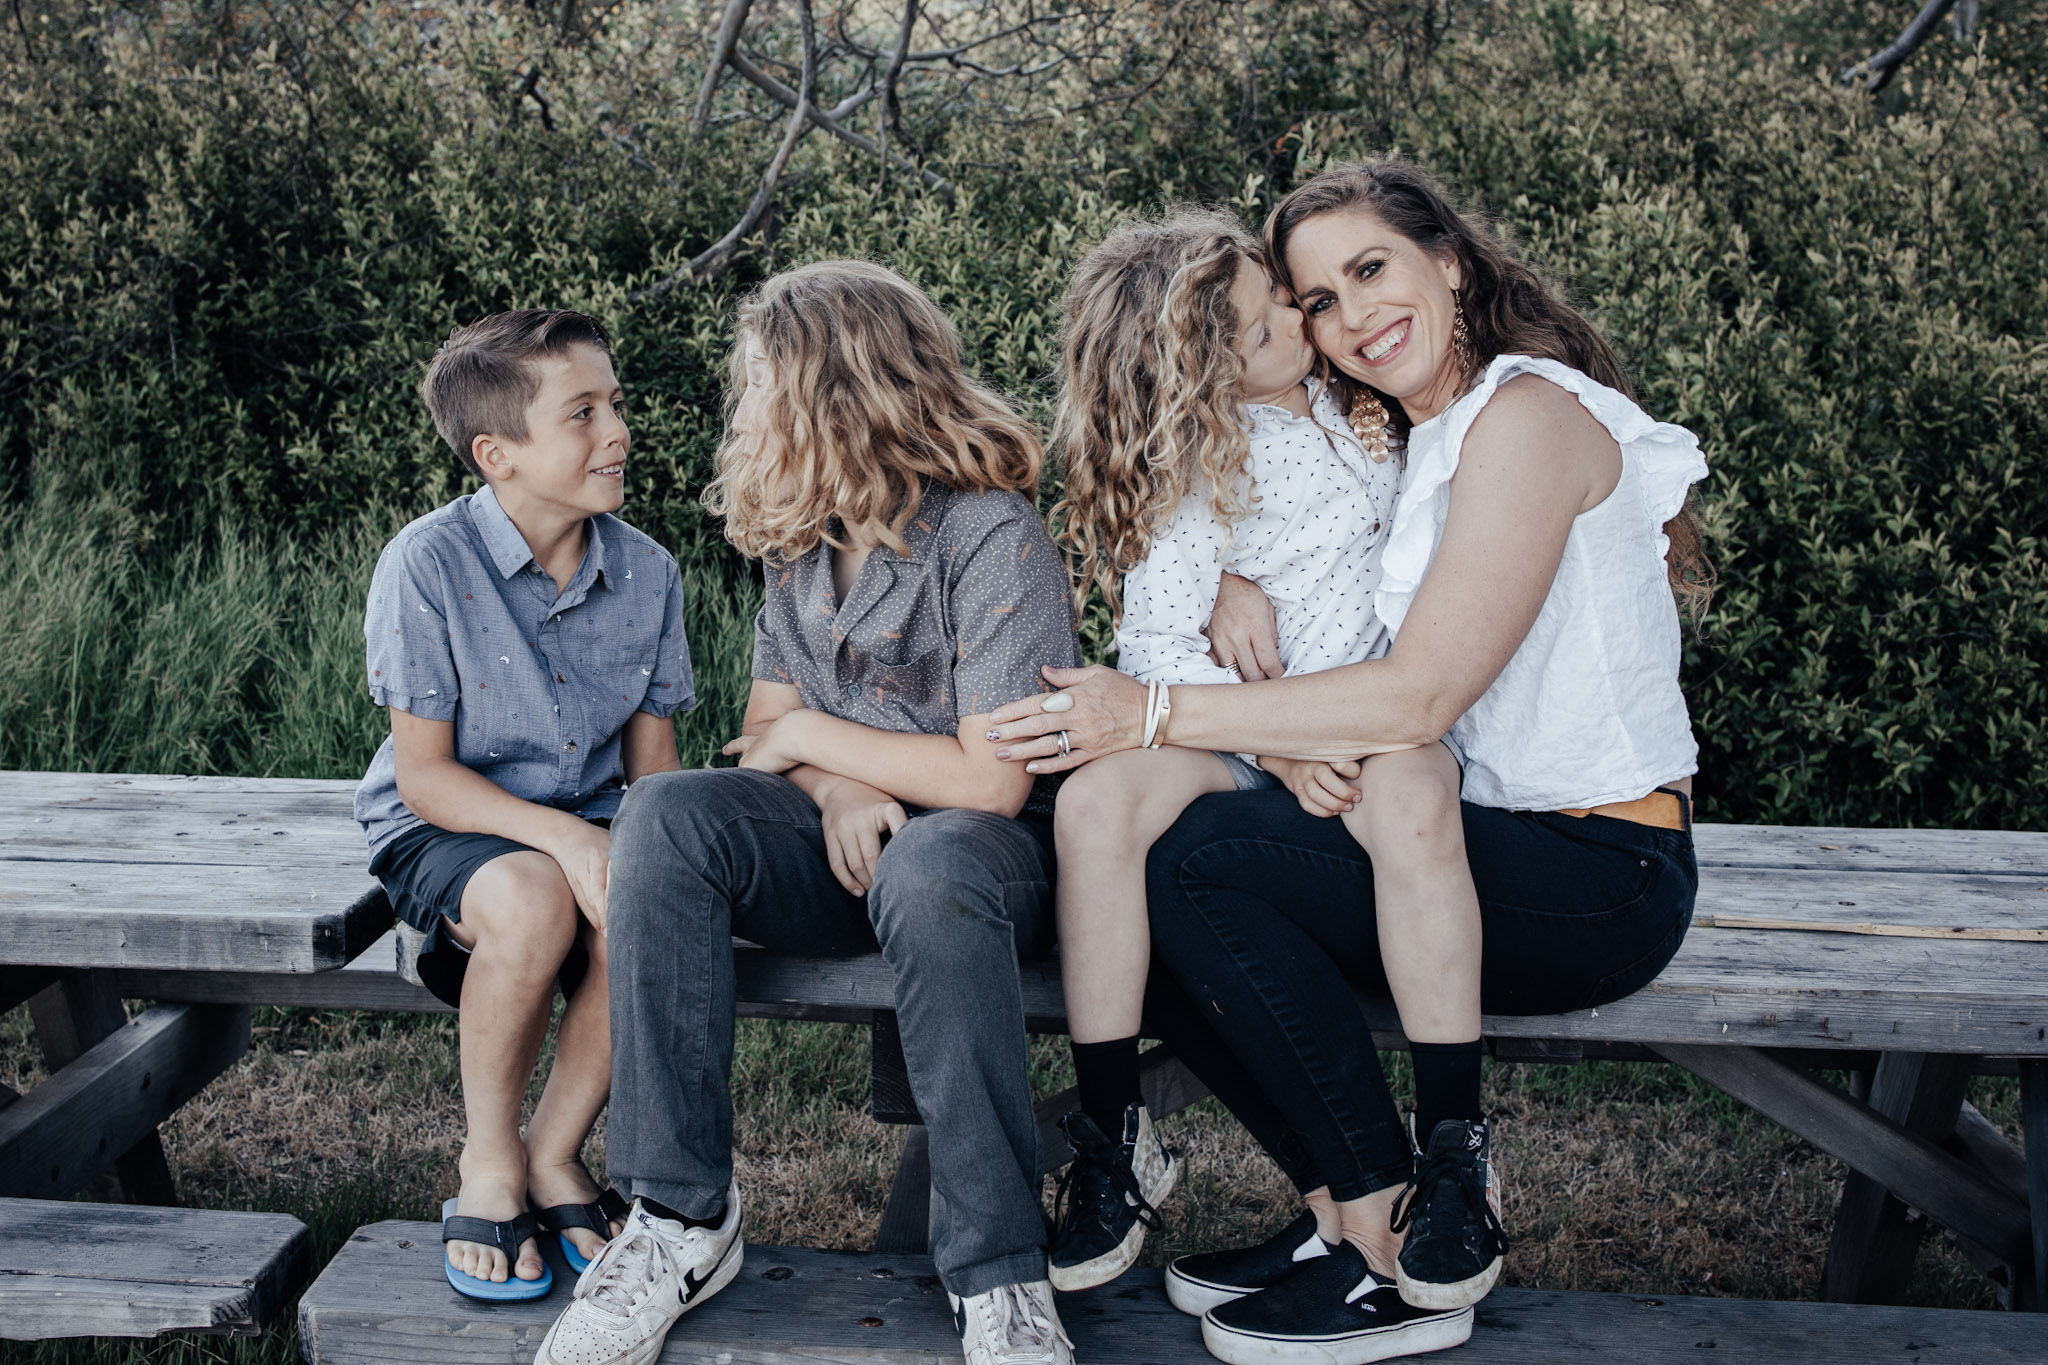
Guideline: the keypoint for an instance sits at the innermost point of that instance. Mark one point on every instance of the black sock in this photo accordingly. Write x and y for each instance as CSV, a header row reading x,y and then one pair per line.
x,y
661,1210
1107,1075
1446,1085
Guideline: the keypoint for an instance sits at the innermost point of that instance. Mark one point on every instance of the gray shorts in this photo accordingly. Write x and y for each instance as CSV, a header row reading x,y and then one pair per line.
x,y
1248,775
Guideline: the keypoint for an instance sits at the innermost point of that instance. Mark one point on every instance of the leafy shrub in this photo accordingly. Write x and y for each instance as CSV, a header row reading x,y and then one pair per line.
x,y
235,235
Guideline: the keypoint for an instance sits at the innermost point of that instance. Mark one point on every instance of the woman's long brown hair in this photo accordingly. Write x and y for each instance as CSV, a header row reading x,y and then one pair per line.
x,y
1509,308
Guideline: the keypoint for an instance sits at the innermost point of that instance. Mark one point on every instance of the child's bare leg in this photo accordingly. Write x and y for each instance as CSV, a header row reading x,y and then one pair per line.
x,y
1109,814
1410,822
575,1092
518,920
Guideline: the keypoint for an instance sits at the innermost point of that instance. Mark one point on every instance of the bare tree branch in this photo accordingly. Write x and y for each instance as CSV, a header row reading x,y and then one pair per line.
x,y
721,52
892,101
715,257
1878,71
829,121
529,88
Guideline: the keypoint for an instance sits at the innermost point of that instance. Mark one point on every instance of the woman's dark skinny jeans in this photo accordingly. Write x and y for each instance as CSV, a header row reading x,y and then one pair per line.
x,y
1262,923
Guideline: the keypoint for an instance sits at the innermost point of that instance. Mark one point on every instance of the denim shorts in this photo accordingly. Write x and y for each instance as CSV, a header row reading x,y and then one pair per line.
x,y
425,871
1249,776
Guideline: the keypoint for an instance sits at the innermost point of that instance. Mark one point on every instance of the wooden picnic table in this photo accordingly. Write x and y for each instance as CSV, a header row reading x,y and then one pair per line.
x,y
1911,958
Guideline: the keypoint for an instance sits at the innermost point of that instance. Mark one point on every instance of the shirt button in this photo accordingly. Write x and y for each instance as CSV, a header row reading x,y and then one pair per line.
x,y
560,678
853,689
570,746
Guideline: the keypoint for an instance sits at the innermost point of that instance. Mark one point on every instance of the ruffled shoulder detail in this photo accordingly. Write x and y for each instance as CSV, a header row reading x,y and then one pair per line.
x,y
1665,458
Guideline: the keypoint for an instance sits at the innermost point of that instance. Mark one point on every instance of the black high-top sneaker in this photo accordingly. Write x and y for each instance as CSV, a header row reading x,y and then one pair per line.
x,y
1107,1197
1207,1279
1451,1215
1332,1311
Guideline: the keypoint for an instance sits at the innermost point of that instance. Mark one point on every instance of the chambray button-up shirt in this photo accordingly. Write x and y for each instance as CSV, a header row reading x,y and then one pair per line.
x,y
463,626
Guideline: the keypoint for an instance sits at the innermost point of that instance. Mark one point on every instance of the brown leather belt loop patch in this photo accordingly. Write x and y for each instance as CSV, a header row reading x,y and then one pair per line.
x,y
1659,810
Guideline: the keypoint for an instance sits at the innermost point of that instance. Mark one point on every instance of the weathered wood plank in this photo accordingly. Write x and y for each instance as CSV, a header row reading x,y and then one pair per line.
x,y
1952,1193
1708,994
1823,849
132,818
300,800
272,918
74,1270
382,1301
55,1137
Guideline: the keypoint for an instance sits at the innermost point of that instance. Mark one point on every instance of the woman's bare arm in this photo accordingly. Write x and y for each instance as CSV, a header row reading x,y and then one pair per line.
x,y
961,769
1533,461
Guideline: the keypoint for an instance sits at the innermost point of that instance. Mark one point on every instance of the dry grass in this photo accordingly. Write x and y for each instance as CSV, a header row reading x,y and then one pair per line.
x,y
1618,1176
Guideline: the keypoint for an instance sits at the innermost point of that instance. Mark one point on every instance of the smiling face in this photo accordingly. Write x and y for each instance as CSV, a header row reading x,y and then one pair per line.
x,y
1270,337
574,456
1379,306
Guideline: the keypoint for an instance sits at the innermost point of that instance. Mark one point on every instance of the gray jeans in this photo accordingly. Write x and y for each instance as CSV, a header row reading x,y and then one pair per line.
x,y
959,896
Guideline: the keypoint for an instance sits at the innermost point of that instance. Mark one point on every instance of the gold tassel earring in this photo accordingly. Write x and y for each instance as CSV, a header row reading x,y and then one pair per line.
x,y
1369,423
1461,335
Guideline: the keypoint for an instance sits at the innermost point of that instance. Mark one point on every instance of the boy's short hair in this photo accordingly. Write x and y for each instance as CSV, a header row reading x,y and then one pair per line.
x,y
482,378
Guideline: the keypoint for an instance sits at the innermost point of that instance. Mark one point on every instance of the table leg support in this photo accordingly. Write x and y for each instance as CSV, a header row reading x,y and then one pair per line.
x,y
82,1009
1870,1258
2034,1115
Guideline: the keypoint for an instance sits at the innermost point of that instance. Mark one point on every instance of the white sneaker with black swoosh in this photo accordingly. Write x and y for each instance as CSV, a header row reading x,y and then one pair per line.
x,y
1015,1324
648,1276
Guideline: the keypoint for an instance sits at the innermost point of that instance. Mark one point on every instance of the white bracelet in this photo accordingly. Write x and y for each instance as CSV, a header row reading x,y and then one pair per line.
x,y
1158,706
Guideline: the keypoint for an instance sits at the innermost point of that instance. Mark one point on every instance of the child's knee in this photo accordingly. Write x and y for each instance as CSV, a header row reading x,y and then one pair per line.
x,y
1409,808
522,903
1097,804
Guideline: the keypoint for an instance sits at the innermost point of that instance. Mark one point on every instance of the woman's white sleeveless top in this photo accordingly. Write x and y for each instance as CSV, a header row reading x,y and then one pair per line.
x,y
1588,710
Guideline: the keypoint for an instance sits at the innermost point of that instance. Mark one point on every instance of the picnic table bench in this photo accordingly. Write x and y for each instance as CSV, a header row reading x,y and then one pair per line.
x,y
1911,959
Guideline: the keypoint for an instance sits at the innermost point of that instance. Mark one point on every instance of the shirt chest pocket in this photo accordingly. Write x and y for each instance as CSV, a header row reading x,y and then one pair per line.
x,y
896,634
621,675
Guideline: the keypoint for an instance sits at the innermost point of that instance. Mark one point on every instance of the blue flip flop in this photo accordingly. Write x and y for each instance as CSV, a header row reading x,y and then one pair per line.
x,y
507,1237
597,1216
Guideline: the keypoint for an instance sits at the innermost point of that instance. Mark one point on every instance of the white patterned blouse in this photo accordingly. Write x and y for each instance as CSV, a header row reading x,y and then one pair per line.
x,y
1311,541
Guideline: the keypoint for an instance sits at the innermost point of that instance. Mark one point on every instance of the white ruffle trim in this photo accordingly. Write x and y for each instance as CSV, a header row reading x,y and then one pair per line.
x,y
1666,458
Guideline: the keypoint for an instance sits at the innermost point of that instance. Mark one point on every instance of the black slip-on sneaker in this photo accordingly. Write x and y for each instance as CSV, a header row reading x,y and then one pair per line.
x,y
1332,1311
1107,1197
1450,1214
1197,1283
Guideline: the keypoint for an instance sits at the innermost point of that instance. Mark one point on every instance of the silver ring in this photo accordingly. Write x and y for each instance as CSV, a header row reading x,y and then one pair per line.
x,y
1064,750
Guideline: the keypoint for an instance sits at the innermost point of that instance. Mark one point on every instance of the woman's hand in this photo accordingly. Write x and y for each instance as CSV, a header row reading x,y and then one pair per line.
x,y
777,748
1322,788
1104,712
1242,632
856,816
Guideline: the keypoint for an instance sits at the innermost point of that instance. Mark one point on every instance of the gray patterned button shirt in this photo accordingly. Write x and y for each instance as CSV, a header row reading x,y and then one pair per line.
x,y
957,629
463,626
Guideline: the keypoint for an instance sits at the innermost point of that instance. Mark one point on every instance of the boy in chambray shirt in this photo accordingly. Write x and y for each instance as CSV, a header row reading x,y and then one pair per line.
x,y
529,647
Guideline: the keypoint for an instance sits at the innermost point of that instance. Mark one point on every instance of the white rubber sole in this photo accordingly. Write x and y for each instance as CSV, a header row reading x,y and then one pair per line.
x,y
1353,1348
1196,1297
1439,1297
646,1352
1106,1267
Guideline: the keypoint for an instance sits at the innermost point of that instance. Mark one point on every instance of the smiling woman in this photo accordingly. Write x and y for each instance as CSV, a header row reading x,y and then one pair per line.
x,y
1529,581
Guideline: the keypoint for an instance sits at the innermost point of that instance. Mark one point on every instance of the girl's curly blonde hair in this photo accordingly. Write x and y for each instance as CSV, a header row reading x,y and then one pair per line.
x,y
868,399
1149,406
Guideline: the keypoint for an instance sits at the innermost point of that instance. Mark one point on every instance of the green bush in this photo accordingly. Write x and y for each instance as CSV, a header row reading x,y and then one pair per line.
x,y
235,235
